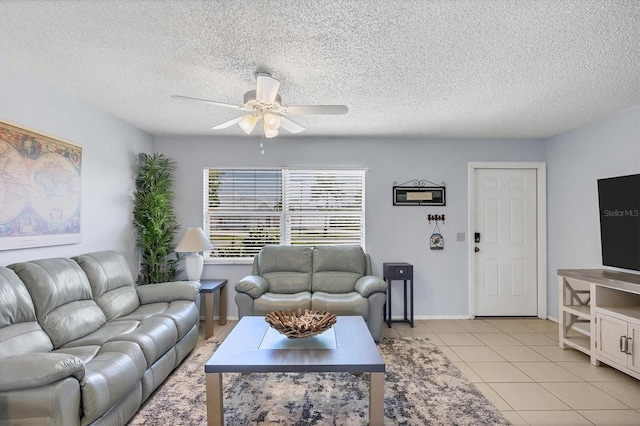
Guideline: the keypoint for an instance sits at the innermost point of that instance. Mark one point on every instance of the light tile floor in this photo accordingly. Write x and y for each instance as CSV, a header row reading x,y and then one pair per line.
x,y
517,364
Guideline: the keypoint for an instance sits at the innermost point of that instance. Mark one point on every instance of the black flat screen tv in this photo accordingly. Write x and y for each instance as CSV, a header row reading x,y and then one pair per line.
x,y
619,199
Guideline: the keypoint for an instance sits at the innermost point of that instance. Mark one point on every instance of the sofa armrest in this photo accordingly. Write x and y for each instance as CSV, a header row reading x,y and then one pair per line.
x,y
33,370
370,284
253,285
168,292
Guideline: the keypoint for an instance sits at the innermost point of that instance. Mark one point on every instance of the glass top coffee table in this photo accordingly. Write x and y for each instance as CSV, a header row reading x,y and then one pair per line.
x,y
254,347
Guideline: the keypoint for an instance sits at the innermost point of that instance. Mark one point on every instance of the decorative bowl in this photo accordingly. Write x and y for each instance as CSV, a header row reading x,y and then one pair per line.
x,y
299,324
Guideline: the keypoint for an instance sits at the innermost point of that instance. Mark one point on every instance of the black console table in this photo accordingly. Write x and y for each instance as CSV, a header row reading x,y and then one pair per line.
x,y
398,271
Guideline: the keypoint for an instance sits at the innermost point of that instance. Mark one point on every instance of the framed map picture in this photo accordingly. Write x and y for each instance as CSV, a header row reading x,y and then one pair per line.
x,y
39,189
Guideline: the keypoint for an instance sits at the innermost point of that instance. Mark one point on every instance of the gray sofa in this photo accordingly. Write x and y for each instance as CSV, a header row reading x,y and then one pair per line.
x,y
81,344
332,278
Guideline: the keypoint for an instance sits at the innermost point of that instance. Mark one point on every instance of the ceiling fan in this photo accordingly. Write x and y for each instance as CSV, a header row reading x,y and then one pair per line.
x,y
264,104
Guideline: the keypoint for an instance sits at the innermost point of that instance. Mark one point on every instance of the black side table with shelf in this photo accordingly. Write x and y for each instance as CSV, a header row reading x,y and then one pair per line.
x,y
398,271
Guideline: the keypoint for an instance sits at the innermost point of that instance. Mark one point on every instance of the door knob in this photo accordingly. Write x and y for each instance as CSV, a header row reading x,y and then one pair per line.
x,y
476,249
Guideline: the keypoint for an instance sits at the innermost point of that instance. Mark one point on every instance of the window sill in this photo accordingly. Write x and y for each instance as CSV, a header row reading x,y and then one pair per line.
x,y
228,261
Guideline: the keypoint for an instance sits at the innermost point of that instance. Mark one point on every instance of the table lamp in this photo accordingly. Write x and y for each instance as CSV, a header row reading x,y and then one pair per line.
x,y
193,242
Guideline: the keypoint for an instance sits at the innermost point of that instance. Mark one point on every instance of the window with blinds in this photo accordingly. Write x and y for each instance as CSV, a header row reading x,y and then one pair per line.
x,y
247,209
324,207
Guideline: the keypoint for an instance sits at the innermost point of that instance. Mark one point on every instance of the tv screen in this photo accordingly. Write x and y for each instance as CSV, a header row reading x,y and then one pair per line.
x,y
619,199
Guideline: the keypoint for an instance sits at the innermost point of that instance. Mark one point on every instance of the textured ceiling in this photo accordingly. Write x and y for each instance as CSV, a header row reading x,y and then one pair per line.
x,y
492,68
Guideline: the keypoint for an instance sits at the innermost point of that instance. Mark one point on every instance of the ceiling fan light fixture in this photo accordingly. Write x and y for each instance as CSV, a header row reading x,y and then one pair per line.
x,y
271,121
270,125
264,103
248,123
269,132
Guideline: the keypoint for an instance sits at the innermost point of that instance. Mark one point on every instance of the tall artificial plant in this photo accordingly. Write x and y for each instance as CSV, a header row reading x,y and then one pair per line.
x,y
154,217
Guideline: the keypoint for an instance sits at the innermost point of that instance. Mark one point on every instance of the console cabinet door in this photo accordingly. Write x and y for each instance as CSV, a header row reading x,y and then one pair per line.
x,y
634,347
609,331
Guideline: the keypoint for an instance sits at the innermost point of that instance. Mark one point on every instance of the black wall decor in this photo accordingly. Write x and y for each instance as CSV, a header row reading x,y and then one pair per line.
x,y
419,193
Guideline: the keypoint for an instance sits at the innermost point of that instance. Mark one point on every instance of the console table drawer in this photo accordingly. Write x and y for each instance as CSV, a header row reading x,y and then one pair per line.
x,y
398,271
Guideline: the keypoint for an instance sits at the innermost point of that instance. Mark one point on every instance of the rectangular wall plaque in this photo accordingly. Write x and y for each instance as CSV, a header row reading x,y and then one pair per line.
x,y
419,196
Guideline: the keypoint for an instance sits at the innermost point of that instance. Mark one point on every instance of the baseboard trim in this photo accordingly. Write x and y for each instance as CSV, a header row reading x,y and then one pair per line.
x,y
416,318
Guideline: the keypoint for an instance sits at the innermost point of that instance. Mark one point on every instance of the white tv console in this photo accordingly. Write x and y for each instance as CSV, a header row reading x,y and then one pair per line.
x,y
600,316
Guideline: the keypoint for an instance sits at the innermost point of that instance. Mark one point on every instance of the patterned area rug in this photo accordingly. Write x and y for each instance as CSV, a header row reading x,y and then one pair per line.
x,y
422,387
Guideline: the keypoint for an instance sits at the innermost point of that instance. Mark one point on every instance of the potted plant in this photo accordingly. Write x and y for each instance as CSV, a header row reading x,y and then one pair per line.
x,y
155,219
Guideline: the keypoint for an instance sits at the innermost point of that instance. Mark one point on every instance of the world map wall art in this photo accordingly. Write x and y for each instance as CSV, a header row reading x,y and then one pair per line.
x,y
39,189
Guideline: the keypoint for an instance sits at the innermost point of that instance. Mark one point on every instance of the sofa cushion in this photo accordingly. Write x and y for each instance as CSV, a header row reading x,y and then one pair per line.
x,y
287,269
72,321
155,336
109,377
341,304
84,353
23,338
145,311
337,268
62,298
19,331
15,302
111,282
270,302
104,333
184,314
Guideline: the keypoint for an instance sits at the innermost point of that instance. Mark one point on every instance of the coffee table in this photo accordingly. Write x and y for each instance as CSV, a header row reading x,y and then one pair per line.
x,y
254,347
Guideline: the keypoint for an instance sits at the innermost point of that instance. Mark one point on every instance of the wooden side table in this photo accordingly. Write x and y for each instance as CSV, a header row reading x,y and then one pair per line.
x,y
208,288
398,271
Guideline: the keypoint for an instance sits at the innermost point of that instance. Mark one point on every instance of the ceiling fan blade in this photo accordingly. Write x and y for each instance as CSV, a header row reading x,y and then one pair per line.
x,y
315,109
267,88
290,126
222,104
228,123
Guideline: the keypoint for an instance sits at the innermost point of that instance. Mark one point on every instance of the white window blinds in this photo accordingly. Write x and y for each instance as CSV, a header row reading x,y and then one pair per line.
x,y
324,207
247,209
243,211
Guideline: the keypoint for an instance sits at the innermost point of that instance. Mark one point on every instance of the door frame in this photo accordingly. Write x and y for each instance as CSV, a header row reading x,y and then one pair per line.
x,y
541,222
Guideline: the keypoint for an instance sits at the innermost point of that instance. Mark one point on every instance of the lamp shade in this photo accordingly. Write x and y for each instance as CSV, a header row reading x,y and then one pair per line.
x,y
194,240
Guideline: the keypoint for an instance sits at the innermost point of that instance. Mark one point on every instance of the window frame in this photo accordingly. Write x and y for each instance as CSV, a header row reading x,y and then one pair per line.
x,y
285,215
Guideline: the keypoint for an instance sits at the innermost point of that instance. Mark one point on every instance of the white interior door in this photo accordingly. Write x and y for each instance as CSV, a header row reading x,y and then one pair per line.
x,y
506,281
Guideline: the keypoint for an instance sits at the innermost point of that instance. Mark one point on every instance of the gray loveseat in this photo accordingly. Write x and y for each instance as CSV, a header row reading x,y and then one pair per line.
x,y
332,278
81,344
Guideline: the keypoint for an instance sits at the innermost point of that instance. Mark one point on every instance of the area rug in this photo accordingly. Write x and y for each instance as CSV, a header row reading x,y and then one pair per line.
x,y
422,387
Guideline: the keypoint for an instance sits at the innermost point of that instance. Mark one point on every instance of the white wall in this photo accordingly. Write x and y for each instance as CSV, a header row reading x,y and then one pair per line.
x,y
575,161
109,156
394,234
